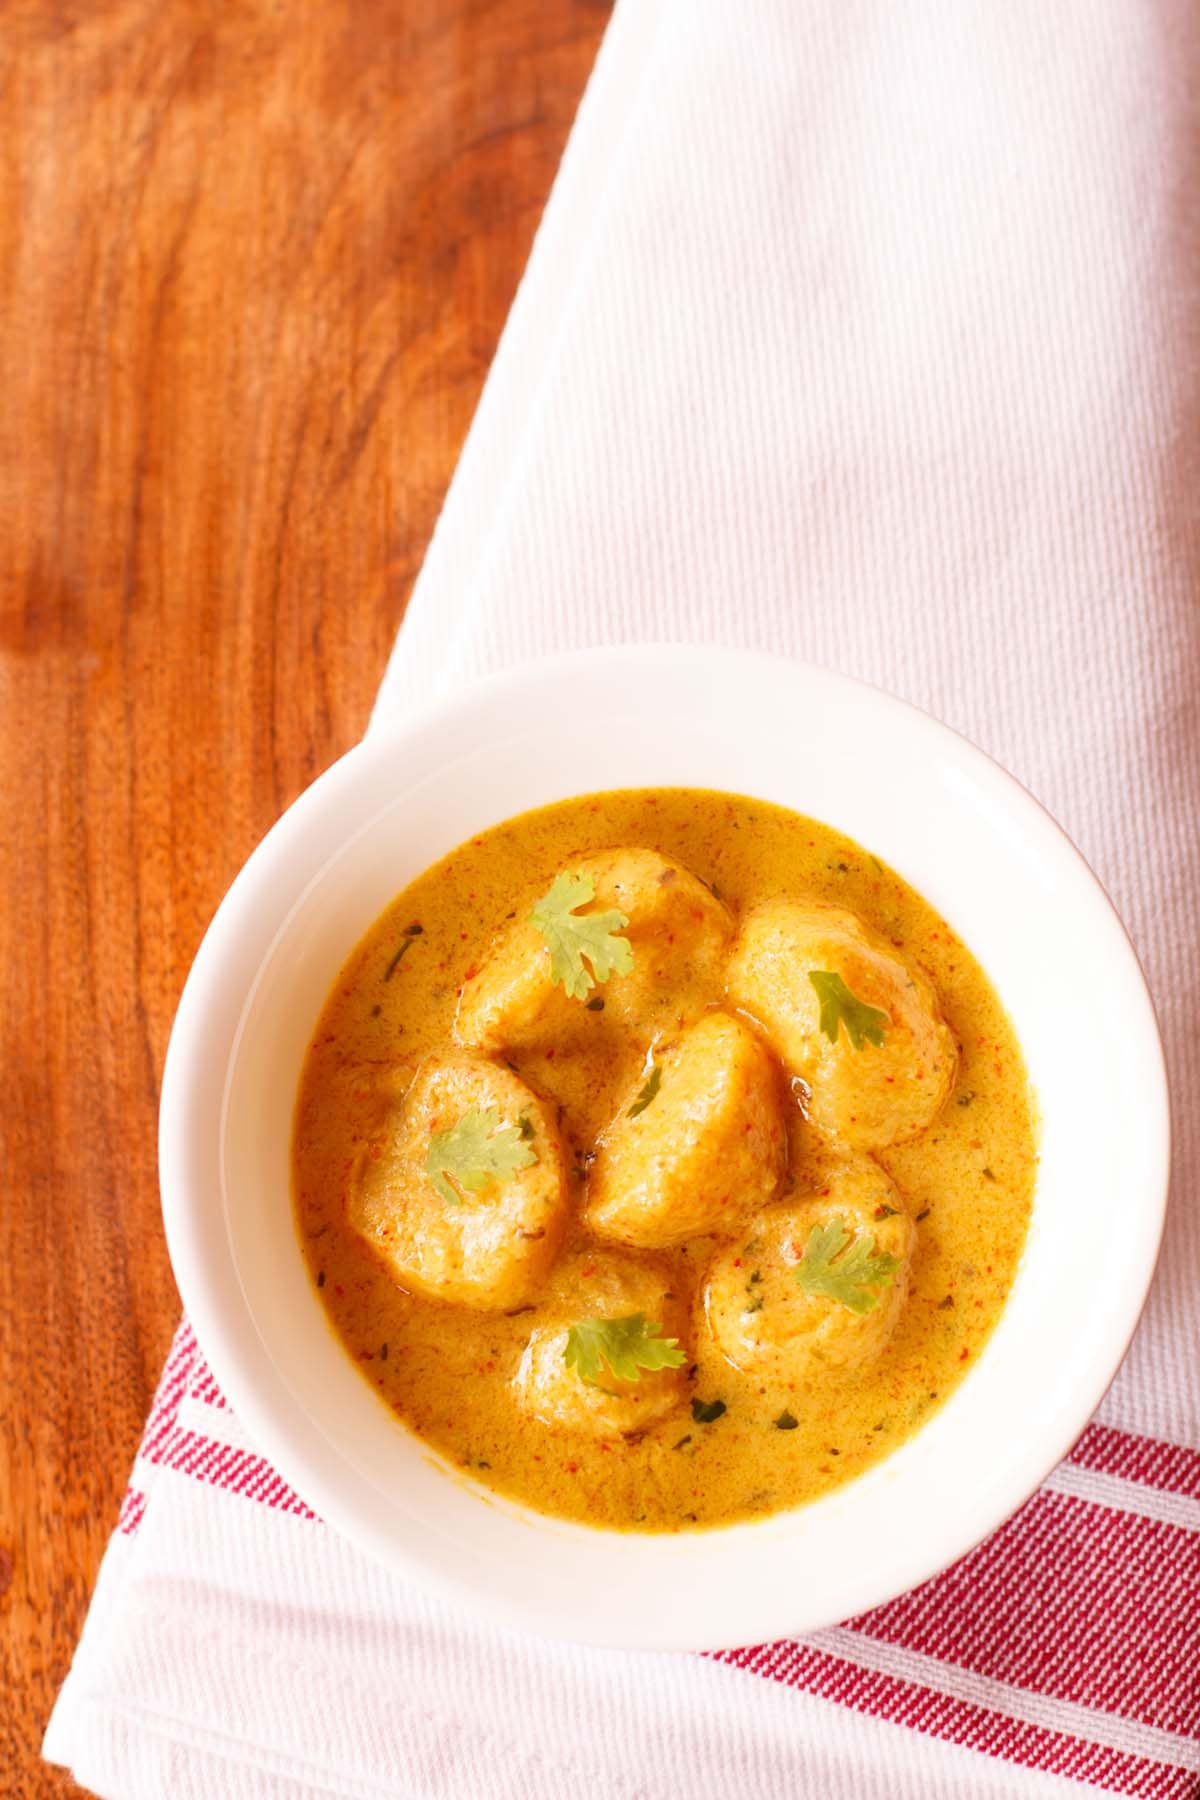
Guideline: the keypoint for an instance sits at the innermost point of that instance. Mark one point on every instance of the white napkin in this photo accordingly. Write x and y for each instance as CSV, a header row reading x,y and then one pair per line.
x,y
864,332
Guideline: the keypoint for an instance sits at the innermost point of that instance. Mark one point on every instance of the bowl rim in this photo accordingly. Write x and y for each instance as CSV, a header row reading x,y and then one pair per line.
x,y
210,1012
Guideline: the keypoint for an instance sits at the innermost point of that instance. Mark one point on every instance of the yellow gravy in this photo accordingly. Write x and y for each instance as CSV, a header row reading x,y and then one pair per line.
x,y
446,1370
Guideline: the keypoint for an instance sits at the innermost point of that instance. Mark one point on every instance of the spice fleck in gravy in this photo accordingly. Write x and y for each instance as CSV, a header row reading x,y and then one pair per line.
x,y
663,1159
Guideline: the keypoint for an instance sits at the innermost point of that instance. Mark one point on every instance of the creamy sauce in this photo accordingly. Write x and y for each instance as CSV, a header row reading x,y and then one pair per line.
x,y
446,1370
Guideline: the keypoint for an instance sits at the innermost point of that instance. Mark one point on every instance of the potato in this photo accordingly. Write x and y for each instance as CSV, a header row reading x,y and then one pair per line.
x,y
590,1286
760,1315
861,1096
706,1152
678,933
491,1248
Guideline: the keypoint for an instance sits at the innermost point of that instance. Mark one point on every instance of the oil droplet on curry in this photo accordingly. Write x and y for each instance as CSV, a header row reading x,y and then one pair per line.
x,y
663,1159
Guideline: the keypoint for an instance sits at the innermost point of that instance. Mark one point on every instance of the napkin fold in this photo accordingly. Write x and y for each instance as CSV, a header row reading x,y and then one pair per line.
x,y
868,334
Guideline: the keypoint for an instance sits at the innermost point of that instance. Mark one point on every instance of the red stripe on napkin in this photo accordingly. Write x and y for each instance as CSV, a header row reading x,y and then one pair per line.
x,y
236,1471
1160,1465
961,1722
1056,1601
173,1383
132,1507
204,1388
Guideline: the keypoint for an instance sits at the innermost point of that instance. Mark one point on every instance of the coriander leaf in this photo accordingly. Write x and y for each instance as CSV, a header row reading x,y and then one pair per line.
x,y
626,1345
705,1411
843,1267
475,1151
786,1421
570,939
647,1094
864,1024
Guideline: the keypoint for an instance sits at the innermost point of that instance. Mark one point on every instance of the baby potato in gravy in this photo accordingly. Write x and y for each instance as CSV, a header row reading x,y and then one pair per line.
x,y
662,1159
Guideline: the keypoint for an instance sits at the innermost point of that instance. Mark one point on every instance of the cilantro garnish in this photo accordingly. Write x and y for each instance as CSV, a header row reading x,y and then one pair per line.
x,y
475,1151
864,1024
648,1092
844,1267
626,1345
571,939
706,1411
786,1421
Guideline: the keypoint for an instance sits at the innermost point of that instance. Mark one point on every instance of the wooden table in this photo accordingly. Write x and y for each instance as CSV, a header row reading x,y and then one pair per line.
x,y
254,260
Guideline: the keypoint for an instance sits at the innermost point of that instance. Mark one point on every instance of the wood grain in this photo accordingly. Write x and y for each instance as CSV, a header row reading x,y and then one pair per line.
x,y
254,260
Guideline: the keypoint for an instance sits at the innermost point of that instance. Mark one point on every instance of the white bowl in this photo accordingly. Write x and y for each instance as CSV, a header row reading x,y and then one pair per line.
x,y
953,824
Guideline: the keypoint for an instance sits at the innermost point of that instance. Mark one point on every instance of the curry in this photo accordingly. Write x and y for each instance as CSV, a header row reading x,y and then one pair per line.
x,y
663,1159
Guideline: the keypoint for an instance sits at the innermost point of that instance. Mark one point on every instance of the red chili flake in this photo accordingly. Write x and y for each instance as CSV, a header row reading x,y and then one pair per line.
x,y
338,1289
471,973
550,1055
963,1355
737,1262
588,1269
571,1468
